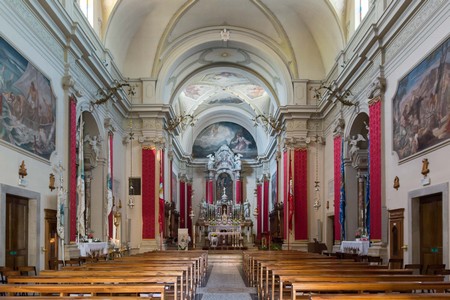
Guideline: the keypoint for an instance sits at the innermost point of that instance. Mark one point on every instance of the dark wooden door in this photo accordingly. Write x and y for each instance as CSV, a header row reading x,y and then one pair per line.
x,y
51,239
431,230
396,249
16,248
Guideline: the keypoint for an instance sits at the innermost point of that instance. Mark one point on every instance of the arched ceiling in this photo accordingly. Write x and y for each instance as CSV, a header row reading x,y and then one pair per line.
x,y
179,44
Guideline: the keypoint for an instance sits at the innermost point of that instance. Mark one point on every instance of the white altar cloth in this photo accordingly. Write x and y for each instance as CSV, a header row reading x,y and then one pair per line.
x,y
362,247
89,248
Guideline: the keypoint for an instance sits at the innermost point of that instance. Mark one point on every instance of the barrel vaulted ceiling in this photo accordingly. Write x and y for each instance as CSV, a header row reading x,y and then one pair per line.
x,y
179,43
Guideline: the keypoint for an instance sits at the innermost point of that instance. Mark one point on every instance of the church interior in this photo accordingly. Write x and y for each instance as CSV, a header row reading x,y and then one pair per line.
x,y
226,133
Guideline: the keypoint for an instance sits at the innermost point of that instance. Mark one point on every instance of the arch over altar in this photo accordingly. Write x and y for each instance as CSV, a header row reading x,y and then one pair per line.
x,y
223,217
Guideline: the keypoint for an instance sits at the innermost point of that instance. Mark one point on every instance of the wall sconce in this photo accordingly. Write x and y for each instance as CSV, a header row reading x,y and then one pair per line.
x,y
22,170
181,119
51,185
107,94
268,122
333,92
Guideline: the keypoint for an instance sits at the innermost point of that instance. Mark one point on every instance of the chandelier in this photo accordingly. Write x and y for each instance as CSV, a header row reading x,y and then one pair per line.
x,y
182,119
107,93
268,122
333,92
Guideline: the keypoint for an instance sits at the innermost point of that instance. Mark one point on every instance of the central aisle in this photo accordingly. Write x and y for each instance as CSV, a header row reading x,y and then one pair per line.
x,y
225,282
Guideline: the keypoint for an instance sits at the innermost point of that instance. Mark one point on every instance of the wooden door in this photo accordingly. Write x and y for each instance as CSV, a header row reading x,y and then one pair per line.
x,y
431,230
396,218
16,248
51,239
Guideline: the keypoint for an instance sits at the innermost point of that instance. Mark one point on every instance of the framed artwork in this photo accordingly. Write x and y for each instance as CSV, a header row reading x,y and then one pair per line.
x,y
215,135
274,181
174,187
421,116
27,104
134,182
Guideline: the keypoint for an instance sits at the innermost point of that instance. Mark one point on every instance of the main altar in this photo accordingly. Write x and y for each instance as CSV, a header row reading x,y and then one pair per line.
x,y
224,222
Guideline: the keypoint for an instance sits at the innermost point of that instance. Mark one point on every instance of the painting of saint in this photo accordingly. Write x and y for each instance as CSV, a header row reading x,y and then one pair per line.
x,y
27,104
233,135
421,115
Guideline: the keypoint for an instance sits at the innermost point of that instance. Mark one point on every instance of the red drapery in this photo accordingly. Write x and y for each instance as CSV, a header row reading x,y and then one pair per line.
x,y
258,206
73,168
238,191
161,192
286,192
266,205
189,207
210,191
182,204
148,192
337,185
110,216
375,168
301,193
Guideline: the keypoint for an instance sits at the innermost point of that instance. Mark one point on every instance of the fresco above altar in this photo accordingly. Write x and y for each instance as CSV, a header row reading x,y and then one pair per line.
x,y
236,137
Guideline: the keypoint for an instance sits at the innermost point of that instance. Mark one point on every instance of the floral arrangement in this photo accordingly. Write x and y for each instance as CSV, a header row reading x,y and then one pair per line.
x,y
90,235
358,233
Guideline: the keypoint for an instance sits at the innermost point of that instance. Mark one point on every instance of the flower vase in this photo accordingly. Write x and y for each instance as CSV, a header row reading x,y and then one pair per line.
x,y
357,239
89,240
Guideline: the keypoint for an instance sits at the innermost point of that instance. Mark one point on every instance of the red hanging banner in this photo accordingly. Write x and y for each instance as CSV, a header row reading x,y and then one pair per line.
x,y
375,167
73,168
337,185
148,193
300,182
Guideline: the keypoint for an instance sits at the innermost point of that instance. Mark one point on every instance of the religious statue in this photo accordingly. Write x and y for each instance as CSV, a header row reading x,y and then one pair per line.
x,y
396,182
94,142
22,170
237,161
203,209
224,216
425,169
354,144
210,161
247,209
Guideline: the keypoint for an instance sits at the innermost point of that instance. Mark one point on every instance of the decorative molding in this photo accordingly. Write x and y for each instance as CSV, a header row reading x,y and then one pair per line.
x,y
374,100
426,13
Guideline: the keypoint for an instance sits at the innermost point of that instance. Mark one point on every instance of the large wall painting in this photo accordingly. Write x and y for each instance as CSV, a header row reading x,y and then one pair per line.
x,y
225,133
421,116
27,104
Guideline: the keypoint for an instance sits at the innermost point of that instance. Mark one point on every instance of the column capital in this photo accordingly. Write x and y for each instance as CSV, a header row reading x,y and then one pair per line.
x,y
376,88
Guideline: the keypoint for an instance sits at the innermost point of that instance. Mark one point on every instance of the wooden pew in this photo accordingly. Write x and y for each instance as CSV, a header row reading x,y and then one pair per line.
x,y
285,279
360,287
390,296
67,289
167,280
125,274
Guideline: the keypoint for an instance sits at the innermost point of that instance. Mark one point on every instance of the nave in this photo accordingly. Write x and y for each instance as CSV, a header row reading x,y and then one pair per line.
x,y
224,278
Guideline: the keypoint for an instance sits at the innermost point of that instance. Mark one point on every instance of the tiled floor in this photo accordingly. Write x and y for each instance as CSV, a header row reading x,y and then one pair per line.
x,y
225,282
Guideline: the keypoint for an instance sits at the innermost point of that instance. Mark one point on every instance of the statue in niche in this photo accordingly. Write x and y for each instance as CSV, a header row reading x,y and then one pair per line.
x,y
354,144
94,142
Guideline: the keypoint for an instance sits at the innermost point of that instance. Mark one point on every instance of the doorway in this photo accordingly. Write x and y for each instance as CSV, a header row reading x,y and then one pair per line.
x,y
51,240
428,221
28,206
396,248
431,230
16,246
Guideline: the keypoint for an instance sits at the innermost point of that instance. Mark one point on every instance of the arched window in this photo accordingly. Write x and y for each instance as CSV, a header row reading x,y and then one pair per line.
x,y
361,8
87,7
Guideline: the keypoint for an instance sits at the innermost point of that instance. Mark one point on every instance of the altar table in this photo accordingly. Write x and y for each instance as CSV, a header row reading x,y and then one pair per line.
x,y
361,247
91,248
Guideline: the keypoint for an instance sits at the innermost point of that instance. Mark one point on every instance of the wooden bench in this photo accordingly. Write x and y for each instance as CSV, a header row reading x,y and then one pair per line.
x,y
94,289
360,287
165,276
391,296
286,279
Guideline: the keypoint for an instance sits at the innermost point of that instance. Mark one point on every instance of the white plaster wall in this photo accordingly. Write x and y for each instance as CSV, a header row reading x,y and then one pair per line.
x,y
409,172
